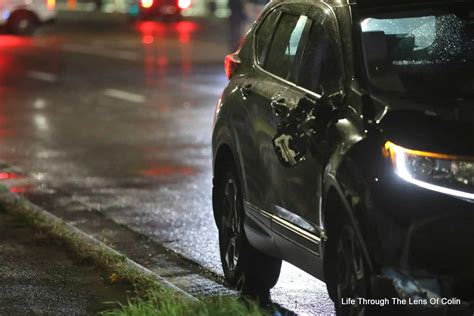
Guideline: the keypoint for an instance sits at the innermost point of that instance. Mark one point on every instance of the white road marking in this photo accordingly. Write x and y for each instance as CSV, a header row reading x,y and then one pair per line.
x,y
94,51
124,95
39,104
207,88
201,88
43,76
41,122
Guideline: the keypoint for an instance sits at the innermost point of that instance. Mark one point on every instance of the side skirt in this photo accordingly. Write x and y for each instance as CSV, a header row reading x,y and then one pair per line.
x,y
289,242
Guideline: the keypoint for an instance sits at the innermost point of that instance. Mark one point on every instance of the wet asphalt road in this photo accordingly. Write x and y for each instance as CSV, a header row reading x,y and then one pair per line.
x,y
120,117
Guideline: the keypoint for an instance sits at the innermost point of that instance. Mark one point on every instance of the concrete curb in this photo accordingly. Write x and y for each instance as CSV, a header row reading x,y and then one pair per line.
x,y
87,246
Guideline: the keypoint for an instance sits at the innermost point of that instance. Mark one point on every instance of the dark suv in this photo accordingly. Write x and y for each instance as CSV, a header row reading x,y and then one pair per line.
x,y
344,144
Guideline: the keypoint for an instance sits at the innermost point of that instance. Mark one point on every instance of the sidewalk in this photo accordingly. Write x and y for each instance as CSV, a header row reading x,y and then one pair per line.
x,y
38,276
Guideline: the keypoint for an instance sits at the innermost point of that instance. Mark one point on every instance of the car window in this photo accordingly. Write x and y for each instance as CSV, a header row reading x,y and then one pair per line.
x,y
286,45
320,69
421,29
264,35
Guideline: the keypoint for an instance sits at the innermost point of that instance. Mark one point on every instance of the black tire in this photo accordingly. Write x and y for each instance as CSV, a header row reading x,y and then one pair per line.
x,y
22,23
352,274
245,268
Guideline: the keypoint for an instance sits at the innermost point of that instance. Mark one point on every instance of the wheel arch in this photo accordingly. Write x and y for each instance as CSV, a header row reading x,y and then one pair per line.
x,y
347,196
223,153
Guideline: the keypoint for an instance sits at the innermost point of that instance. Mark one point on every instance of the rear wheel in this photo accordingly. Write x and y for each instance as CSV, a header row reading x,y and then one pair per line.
x,y
22,23
245,268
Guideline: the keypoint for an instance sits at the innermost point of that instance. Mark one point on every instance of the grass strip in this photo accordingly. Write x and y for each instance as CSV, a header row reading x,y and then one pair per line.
x,y
165,303
86,247
154,295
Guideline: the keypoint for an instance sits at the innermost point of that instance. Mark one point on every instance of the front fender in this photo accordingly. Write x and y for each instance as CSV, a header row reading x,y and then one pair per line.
x,y
353,176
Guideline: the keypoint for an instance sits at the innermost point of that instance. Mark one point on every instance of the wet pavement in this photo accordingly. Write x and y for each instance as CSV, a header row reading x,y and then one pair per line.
x,y
32,283
117,118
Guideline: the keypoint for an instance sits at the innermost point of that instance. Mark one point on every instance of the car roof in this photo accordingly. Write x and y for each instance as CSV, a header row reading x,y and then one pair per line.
x,y
373,4
369,4
360,6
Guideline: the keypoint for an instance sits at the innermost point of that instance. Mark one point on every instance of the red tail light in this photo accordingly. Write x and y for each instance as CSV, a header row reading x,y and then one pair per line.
x,y
184,4
146,3
231,64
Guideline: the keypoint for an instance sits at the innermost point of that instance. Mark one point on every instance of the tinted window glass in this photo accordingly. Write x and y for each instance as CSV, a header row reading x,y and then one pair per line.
x,y
286,45
264,34
427,52
421,29
320,70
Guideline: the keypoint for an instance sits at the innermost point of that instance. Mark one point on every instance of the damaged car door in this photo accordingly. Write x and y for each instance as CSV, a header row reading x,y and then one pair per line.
x,y
271,96
302,140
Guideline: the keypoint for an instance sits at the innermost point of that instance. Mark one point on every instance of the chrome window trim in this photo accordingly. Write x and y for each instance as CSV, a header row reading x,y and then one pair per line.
x,y
257,65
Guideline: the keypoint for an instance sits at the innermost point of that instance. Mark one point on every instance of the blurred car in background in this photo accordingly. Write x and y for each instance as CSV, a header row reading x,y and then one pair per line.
x,y
22,17
168,10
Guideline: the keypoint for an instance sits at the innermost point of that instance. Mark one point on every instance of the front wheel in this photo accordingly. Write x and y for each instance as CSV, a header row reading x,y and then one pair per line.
x,y
22,23
352,274
245,268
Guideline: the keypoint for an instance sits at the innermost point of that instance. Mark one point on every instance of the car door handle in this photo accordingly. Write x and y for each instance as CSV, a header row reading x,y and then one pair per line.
x,y
279,107
245,89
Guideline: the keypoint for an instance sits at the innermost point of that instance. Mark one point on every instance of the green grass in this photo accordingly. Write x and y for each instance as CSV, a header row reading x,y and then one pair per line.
x,y
151,297
165,303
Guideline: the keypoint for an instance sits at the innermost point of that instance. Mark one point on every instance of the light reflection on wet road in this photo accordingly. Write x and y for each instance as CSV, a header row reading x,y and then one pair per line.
x,y
121,119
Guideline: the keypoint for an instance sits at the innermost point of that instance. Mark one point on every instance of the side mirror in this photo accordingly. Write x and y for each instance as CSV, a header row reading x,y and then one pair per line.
x,y
375,51
310,117
290,149
289,142
368,110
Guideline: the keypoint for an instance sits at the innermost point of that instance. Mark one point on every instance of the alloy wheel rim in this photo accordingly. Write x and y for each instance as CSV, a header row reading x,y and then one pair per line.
x,y
350,273
232,225
23,24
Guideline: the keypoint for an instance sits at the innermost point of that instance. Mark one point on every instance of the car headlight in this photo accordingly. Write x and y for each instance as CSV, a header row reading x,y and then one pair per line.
x,y
453,175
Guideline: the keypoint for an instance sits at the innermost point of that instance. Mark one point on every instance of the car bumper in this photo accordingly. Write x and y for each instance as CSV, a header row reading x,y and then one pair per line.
x,y
46,15
426,238
415,295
